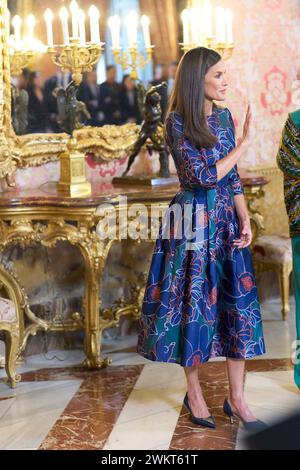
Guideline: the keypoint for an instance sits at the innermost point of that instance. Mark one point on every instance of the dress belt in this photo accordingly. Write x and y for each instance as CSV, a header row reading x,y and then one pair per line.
x,y
199,189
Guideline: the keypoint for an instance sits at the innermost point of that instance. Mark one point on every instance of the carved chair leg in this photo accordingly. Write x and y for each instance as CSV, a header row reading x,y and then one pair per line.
x,y
11,353
283,273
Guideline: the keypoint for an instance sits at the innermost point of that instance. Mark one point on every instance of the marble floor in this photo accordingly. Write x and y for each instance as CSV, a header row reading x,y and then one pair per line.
x,y
136,404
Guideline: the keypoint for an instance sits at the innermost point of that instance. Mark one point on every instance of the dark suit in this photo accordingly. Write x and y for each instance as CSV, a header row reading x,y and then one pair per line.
x,y
129,107
37,115
110,102
50,100
90,95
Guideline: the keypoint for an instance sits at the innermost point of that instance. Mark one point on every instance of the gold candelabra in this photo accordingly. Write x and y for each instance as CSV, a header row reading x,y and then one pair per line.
x,y
197,34
20,60
76,58
225,50
133,60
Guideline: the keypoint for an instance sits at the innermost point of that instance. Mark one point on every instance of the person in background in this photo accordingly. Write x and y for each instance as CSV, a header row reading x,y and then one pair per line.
x,y
288,159
37,114
21,81
89,93
109,97
57,80
129,101
162,76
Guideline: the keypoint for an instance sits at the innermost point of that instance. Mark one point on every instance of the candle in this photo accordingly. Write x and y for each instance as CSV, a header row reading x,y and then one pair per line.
x,y
65,27
30,26
196,26
82,37
132,25
49,26
185,16
114,26
17,22
74,8
94,24
145,24
220,26
208,18
228,16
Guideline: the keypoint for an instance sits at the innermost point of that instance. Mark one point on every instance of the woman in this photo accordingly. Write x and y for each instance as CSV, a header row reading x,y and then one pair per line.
x,y
37,113
288,161
201,298
129,101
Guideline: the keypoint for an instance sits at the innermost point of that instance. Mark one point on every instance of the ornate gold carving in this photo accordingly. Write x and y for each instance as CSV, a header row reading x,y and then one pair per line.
x,y
253,195
47,225
133,60
107,143
72,172
283,273
76,58
20,60
38,149
272,206
17,332
25,231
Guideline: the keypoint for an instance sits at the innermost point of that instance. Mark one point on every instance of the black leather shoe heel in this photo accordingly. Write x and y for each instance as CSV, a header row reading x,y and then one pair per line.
x,y
251,426
208,422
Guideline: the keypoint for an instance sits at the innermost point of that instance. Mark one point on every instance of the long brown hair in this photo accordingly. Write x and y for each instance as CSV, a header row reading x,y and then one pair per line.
x,y
188,96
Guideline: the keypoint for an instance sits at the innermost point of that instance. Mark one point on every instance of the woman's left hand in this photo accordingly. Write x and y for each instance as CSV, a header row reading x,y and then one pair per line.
x,y
246,235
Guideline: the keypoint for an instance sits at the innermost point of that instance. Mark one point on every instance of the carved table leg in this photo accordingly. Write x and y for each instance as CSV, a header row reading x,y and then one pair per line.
x,y
95,256
11,352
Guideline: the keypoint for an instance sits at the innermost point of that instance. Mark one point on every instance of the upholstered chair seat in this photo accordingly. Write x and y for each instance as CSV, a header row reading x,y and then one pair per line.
x,y
274,252
7,311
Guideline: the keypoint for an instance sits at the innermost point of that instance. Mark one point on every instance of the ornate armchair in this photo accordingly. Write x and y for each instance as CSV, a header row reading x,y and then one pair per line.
x,y
274,253
272,250
13,309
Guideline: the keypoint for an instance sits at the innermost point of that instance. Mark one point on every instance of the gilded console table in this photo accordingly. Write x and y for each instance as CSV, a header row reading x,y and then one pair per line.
x,y
42,216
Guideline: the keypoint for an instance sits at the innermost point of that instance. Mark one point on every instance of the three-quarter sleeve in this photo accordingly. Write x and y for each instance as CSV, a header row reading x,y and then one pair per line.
x,y
235,181
197,166
233,176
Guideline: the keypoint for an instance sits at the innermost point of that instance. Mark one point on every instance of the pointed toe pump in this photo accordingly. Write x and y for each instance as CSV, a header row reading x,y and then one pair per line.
x,y
251,426
208,422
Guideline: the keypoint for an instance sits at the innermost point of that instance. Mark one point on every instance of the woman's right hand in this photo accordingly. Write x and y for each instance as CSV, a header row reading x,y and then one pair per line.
x,y
246,129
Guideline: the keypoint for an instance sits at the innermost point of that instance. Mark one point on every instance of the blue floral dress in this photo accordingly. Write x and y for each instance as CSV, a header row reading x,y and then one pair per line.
x,y
201,298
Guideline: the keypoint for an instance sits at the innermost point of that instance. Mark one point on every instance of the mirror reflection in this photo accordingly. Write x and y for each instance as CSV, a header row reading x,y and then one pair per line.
x,y
42,92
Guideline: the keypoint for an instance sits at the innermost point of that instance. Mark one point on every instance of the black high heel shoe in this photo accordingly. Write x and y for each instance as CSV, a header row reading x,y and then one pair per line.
x,y
251,426
208,422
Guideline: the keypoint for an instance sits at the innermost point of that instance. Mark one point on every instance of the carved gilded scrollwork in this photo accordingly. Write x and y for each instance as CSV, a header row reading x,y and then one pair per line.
x,y
24,231
28,224
18,331
107,143
254,194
